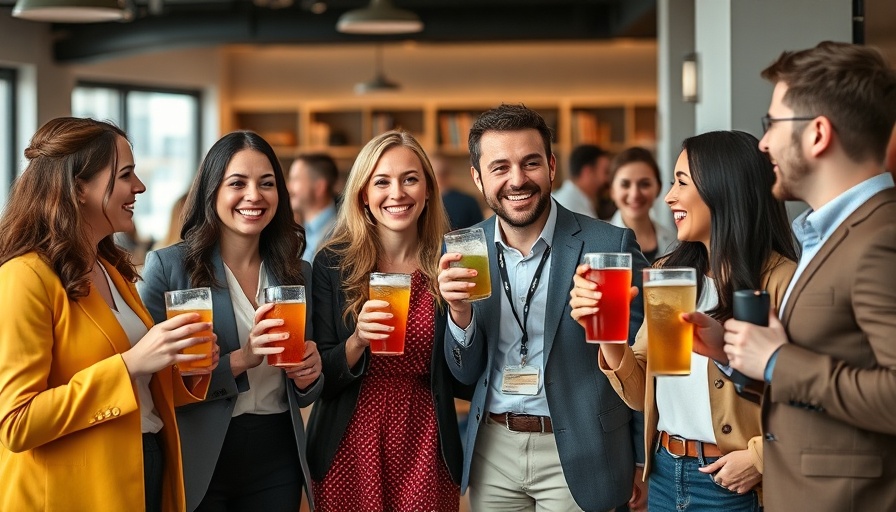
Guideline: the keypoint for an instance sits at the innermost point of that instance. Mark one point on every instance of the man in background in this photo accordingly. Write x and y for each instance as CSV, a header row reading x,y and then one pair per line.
x,y
829,412
589,168
463,209
311,183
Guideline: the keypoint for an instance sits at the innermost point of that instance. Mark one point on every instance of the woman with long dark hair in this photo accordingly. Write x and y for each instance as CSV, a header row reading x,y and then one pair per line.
x,y
244,446
705,438
87,383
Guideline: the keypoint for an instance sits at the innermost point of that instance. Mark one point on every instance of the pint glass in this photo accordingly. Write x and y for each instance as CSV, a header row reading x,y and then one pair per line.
x,y
396,290
470,243
194,300
289,305
613,274
669,292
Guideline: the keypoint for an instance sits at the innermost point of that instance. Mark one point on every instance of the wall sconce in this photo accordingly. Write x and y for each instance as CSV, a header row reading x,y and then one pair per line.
x,y
689,78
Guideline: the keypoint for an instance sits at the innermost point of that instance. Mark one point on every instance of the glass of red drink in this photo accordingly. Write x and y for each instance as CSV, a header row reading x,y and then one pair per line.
x,y
612,272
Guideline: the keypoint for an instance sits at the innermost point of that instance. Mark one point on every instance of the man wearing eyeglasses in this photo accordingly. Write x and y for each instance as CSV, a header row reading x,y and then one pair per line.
x,y
829,413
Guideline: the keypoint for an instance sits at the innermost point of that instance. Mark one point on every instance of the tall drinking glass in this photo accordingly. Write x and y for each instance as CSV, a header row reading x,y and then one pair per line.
x,y
289,306
470,243
194,300
396,290
612,272
669,292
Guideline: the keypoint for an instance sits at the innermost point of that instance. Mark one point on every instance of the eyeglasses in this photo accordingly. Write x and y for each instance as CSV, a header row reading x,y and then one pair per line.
x,y
768,120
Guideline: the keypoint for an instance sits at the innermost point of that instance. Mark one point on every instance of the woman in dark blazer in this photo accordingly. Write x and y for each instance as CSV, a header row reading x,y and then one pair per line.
x,y
384,434
244,446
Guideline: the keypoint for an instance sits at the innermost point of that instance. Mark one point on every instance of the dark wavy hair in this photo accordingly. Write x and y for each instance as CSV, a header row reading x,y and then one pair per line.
x,y
747,224
282,240
43,214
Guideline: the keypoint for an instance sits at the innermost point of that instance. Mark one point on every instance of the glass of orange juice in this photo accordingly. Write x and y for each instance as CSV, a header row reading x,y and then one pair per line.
x,y
396,290
194,300
289,305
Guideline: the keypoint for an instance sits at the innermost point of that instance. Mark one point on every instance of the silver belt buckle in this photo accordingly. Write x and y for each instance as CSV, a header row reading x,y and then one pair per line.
x,y
680,440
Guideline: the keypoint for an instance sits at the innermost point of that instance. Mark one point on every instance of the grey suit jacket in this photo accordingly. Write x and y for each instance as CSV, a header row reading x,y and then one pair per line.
x,y
596,437
829,415
203,425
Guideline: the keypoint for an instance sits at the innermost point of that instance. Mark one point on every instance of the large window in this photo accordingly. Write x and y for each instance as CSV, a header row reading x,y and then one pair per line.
x,y
7,131
164,129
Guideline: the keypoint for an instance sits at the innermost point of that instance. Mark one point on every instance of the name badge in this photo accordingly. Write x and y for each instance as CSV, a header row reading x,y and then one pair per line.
x,y
520,380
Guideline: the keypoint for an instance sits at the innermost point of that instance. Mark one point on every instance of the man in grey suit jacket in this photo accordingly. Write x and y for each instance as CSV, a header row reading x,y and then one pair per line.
x,y
829,412
546,428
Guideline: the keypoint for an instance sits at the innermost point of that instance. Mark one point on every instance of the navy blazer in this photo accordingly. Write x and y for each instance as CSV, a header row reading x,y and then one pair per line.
x,y
203,425
597,438
336,406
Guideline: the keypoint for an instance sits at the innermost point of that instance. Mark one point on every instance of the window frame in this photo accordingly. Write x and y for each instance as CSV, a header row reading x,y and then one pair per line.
x,y
11,75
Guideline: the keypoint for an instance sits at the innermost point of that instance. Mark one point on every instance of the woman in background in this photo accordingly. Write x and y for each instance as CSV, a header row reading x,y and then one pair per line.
x,y
705,438
634,185
87,387
384,435
243,447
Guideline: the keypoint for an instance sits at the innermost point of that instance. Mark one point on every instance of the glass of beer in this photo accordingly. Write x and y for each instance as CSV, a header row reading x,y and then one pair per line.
x,y
669,292
396,290
289,306
612,272
194,300
470,243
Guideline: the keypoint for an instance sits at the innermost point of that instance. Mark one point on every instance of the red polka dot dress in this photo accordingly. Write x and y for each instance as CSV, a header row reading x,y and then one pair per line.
x,y
389,459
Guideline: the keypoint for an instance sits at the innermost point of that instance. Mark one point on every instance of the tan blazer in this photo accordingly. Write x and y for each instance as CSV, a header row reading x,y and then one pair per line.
x,y
735,420
830,411
69,416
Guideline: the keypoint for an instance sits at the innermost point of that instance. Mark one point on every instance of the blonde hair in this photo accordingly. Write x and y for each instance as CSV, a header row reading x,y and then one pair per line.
x,y
355,237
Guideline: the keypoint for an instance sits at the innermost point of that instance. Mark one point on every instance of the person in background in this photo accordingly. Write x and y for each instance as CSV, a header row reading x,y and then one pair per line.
x,y
463,209
890,163
175,223
588,174
830,361
384,436
707,437
634,185
312,196
244,446
566,441
84,370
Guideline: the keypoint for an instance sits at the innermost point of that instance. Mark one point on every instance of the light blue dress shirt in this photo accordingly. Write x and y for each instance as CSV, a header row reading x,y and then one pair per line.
x,y
318,230
520,271
813,228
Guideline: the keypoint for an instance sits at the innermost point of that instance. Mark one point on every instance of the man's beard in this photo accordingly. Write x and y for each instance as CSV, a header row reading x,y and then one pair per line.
x,y
521,219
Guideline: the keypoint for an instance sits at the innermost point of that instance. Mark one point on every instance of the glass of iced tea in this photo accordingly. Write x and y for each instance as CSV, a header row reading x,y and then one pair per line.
x,y
470,243
612,272
396,290
194,300
289,306
669,292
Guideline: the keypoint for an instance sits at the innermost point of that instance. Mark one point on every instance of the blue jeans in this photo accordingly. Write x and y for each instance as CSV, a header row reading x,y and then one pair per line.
x,y
675,485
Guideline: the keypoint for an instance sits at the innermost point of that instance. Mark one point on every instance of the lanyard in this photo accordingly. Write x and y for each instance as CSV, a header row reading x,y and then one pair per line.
x,y
524,351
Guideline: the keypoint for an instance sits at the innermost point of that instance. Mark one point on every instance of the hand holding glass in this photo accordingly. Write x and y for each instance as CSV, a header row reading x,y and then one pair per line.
x,y
612,272
471,245
396,290
289,306
194,300
669,292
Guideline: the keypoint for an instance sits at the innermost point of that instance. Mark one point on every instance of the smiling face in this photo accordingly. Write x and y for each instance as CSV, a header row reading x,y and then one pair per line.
x,y
516,176
396,192
634,189
247,196
117,214
692,217
783,145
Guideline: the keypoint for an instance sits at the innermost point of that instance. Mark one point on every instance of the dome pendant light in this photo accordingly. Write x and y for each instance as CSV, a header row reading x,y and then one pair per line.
x,y
380,17
379,82
71,11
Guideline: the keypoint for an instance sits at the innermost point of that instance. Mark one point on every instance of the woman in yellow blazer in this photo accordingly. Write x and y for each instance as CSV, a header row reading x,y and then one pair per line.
x,y
87,387
703,439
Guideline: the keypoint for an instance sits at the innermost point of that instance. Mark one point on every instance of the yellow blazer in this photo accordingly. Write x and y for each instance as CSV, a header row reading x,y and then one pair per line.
x,y
736,421
69,414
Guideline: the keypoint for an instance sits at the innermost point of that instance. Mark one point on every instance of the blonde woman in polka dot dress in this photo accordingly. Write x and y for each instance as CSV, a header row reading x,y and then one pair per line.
x,y
384,435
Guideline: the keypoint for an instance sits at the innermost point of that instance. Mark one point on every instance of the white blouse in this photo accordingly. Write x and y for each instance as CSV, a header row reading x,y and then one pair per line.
x,y
267,389
135,329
